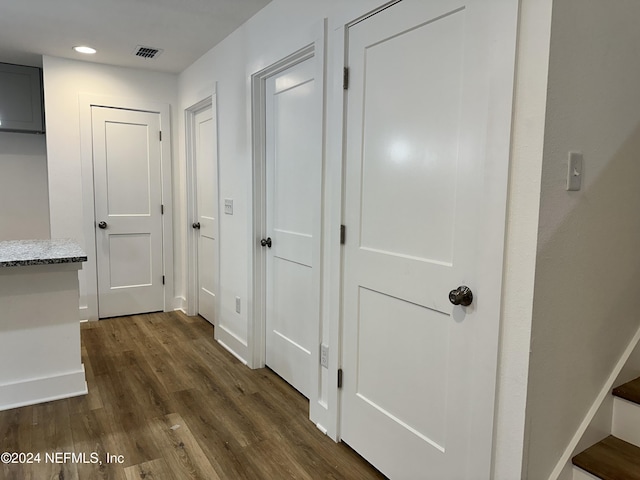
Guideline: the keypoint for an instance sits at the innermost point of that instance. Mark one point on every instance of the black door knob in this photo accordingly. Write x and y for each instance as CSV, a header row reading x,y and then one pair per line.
x,y
266,242
196,225
461,296
102,225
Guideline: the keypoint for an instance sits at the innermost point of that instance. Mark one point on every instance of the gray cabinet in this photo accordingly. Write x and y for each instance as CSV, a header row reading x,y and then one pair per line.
x,y
21,105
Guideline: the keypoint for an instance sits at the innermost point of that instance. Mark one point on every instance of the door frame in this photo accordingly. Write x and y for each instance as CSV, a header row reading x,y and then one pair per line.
x,y
86,102
192,204
491,234
257,256
257,322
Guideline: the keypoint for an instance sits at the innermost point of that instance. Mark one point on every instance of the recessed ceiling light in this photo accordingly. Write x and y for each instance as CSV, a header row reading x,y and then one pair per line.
x,y
85,49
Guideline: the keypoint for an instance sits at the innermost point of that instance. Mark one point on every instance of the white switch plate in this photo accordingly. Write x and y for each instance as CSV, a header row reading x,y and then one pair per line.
x,y
574,172
228,206
324,355
237,304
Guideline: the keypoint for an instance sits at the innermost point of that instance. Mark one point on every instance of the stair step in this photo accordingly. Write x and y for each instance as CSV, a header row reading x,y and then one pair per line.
x,y
611,459
625,423
629,391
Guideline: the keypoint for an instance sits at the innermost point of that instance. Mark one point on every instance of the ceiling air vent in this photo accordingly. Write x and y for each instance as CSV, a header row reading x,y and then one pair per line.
x,y
147,52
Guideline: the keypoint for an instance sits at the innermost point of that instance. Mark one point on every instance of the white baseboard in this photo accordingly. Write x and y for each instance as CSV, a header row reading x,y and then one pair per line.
x,y
84,314
232,352
39,390
180,303
602,395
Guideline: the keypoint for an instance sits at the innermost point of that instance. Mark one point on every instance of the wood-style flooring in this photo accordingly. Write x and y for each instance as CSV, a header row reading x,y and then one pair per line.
x,y
175,405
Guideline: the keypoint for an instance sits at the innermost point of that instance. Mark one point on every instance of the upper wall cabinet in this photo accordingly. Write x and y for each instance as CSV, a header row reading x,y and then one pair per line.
x,y
21,106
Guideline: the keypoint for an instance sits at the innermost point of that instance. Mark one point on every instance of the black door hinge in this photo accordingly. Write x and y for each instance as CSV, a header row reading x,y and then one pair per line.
x,y
163,279
161,209
160,135
339,378
345,78
343,234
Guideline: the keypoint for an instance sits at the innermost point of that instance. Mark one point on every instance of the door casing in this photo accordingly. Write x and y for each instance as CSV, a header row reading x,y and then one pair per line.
x,y
257,256
86,101
257,331
192,235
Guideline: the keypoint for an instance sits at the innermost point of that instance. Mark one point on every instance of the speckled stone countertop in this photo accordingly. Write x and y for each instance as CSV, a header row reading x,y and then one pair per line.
x,y
16,253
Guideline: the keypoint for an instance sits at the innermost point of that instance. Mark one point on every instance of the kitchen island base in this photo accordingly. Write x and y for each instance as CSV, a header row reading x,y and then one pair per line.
x,y
40,357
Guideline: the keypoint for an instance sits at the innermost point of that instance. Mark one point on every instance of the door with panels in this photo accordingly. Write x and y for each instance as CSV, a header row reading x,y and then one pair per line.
x,y
417,117
128,211
206,223
293,148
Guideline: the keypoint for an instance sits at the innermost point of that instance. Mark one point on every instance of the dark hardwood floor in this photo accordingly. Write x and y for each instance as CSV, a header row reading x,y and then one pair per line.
x,y
173,404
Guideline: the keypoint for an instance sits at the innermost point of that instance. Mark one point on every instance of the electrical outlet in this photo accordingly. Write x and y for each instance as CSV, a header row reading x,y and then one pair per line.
x,y
228,206
237,304
324,355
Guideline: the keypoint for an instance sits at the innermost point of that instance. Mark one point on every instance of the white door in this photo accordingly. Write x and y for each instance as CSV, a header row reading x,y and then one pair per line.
x,y
294,164
206,224
128,208
417,110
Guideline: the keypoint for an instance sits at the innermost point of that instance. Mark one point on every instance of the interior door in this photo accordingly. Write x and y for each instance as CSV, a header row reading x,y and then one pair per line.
x,y
294,164
205,150
417,109
128,209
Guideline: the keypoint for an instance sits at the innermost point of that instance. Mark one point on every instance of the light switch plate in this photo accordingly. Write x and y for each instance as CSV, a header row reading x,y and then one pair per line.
x,y
324,355
228,206
574,172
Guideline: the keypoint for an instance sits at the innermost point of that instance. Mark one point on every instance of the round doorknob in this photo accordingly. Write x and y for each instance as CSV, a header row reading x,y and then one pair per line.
x,y
102,225
266,242
196,225
461,296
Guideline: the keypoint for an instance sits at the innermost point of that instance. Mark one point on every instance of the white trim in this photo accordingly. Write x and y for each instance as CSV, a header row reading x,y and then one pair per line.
x,y
86,101
321,428
45,389
256,337
232,351
258,258
604,393
84,313
180,303
192,210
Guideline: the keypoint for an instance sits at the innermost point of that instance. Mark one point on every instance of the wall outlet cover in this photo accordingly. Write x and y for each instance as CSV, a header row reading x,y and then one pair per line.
x,y
228,206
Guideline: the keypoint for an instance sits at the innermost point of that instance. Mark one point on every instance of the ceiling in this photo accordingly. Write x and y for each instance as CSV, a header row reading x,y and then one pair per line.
x,y
184,29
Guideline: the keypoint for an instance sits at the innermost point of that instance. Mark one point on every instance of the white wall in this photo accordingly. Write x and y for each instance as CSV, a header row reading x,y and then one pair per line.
x,y
23,187
588,263
64,82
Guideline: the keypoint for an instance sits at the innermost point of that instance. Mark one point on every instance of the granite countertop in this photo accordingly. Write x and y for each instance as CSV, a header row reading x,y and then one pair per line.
x,y
15,253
